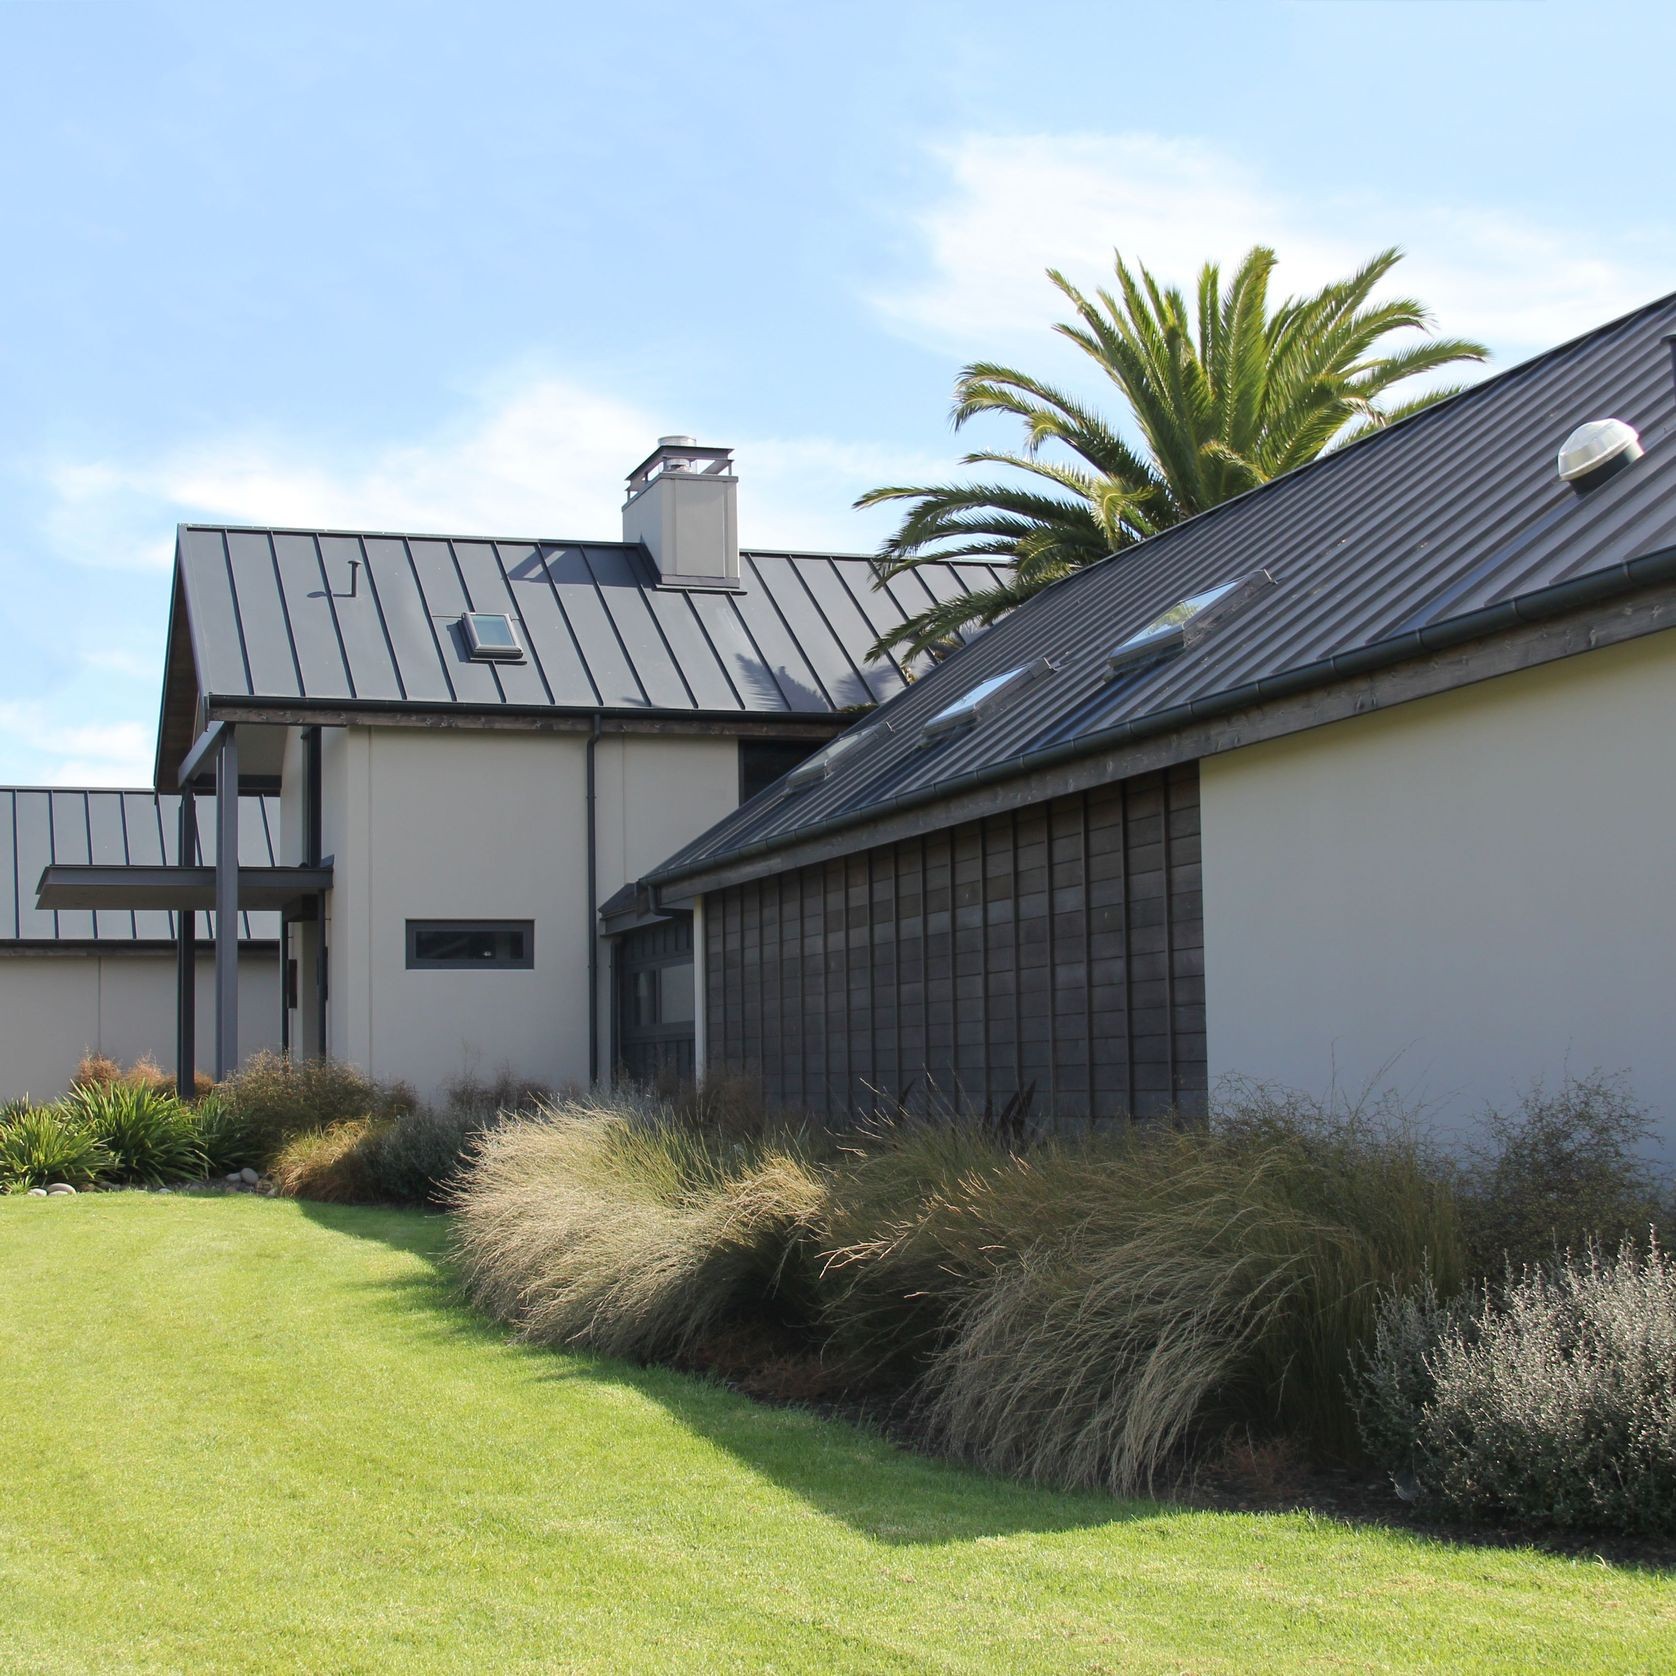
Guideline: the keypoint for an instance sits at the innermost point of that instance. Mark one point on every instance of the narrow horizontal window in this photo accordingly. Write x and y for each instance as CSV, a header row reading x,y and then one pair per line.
x,y
459,945
491,637
984,697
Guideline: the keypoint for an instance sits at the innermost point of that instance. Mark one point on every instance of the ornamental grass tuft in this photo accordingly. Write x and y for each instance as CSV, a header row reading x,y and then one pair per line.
x,y
606,1224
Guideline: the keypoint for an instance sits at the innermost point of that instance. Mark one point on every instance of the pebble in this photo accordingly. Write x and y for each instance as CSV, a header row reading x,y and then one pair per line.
x,y
54,1189
248,1176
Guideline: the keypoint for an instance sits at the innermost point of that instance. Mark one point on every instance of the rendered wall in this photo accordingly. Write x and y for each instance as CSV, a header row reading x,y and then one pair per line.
x,y
1474,889
56,1007
457,824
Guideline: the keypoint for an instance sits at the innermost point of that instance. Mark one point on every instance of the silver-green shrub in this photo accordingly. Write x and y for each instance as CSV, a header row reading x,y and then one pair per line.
x,y
1550,1398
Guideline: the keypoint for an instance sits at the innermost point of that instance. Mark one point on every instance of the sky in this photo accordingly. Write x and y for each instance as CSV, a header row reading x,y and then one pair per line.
x,y
457,267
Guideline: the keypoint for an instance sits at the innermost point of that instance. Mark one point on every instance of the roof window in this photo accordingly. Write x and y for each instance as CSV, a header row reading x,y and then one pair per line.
x,y
491,637
821,764
1187,621
984,697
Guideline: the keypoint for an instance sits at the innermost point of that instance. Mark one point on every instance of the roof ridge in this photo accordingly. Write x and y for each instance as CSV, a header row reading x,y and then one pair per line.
x,y
771,552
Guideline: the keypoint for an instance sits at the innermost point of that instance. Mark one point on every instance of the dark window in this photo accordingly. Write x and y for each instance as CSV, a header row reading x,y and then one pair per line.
x,y
463,944
763,761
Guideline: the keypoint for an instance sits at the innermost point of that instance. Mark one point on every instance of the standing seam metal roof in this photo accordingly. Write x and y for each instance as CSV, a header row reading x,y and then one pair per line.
x,y
1454,510
272,617
46,826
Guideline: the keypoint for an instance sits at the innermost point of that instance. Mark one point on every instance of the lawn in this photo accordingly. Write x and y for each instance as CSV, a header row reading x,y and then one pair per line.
x,y
247,1434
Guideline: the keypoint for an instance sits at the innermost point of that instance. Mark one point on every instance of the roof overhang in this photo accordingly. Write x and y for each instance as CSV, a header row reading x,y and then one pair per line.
x,y
1583,614
76,885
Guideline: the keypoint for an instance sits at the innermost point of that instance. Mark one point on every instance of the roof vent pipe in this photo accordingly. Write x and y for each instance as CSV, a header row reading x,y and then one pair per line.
x,y
1596,452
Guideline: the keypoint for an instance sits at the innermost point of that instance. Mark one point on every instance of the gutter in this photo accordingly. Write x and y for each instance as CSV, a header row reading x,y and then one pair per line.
x,y
1598,586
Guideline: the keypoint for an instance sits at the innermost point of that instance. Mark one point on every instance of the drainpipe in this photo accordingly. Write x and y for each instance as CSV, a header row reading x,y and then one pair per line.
x,y
593,902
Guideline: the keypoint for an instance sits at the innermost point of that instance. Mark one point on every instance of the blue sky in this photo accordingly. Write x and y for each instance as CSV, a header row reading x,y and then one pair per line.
x,y
455,268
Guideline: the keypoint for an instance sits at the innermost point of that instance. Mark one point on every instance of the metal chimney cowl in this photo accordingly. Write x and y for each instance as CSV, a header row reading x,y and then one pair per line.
x,y
683,508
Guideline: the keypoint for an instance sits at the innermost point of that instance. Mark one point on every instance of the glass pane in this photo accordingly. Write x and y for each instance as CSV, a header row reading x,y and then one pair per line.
x,y
493,630
644,1006
676,995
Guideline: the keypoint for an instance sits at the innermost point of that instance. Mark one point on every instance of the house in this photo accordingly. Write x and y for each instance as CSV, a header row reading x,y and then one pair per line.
x,y
474,742
76,981
1367,775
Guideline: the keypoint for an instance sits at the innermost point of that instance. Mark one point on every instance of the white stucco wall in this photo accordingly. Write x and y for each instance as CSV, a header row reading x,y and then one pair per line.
x,y
56,1007
1475,886
457,824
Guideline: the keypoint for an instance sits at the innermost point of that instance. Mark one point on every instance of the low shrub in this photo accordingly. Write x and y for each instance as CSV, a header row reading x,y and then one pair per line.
x,y
277,1097
416,1156
38,1147
336,1163
608,1224
99,1070
1563,1167
96,1070
150,1137
1549,1398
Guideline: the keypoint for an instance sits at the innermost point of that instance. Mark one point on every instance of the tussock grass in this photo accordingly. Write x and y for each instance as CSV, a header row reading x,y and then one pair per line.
x,y
1152,1285
336,1163
610,1225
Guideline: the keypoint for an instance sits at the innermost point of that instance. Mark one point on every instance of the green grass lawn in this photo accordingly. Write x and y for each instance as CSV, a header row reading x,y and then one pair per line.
x,y
247,1434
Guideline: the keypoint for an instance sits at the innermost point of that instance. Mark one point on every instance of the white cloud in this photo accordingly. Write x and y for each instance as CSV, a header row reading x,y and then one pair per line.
x,y
1015,206
550,460
79,754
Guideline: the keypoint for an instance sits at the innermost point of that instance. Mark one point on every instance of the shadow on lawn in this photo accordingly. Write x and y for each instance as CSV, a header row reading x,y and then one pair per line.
x,y
883,1492
878,1488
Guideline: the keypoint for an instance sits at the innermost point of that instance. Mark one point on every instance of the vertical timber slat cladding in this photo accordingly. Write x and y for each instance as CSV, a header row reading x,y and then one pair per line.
x,y
1057,948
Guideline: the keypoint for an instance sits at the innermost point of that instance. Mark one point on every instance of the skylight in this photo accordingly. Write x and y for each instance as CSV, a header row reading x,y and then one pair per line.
x,y
984,696
491,638
821,764
1168,631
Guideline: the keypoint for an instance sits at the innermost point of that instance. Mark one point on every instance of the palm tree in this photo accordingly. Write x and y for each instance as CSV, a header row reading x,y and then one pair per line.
x,y
1224,396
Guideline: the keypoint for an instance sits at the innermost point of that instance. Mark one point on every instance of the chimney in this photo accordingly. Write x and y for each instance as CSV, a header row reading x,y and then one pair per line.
x,y
683,508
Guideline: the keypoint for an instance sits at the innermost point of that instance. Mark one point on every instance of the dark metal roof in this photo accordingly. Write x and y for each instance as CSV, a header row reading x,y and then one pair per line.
x,y
345,616
1430,522
42,827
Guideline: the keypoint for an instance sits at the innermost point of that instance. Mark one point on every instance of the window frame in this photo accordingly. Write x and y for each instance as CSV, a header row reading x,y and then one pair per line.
x,y
980,700
415,928
1159,638
480,651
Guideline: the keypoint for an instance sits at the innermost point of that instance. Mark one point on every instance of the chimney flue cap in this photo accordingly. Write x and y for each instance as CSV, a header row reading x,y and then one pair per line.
x,y
677,442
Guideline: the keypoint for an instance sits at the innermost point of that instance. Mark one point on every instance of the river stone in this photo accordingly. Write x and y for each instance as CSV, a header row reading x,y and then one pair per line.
x,y
57,1187
37,1192
234,1175
248,1176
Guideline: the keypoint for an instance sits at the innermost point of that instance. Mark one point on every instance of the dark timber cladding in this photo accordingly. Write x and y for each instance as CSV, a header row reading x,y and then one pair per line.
x,y
1057,947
